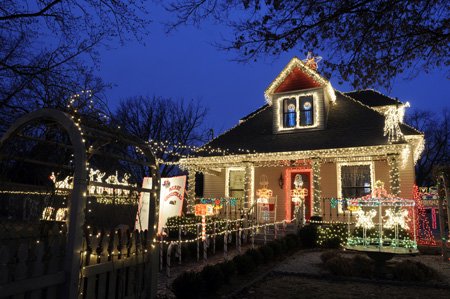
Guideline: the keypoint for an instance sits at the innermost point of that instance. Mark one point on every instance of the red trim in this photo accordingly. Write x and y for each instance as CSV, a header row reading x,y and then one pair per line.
x,y
287,189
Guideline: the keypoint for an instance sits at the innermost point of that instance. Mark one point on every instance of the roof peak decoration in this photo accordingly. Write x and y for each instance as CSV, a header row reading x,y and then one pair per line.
x,y
312,61
297,67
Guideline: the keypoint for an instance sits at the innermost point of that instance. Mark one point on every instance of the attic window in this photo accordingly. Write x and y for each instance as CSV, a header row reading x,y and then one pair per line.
x,y
297,112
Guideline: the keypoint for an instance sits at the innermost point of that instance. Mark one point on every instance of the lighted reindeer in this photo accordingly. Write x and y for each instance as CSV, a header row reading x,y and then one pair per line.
x,y
396,219
365,220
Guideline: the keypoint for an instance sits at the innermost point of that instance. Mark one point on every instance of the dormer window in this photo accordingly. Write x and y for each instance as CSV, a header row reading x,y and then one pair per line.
x,y
290,113
306,111
297,112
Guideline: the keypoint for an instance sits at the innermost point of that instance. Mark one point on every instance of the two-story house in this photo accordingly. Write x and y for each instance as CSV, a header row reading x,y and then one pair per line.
x,y
311,137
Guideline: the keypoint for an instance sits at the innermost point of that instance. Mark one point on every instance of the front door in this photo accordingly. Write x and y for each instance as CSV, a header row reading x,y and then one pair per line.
x,y
300,179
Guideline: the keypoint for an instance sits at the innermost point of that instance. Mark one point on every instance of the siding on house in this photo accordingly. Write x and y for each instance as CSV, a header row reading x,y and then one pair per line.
x,y
382,173
328,182
407,177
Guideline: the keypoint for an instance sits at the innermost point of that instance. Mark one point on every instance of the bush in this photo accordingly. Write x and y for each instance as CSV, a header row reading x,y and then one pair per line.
x,y
212,277
363,266
256,255
327,255
187,285
244,264
267,253
228,269
283,245
292,242
332,236
276,247
308,236
339,265
414,271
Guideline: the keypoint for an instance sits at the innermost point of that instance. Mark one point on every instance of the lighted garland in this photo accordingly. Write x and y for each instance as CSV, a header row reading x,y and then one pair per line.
x,y
394,176
316,183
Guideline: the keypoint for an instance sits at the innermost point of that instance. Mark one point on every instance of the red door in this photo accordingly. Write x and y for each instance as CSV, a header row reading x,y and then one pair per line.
x,y
299,176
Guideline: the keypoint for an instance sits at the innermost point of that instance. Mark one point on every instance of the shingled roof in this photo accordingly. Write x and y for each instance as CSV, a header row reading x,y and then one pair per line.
x,y
373,98
349,124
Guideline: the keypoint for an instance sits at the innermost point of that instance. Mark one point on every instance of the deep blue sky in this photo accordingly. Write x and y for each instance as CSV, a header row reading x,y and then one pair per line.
x,y
184,64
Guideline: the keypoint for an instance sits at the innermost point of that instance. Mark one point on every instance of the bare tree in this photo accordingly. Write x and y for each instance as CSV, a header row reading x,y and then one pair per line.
x,y
368,42
437,142
45,45
170,126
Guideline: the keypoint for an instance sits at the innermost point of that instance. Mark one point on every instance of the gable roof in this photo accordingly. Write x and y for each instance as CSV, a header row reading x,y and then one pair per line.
x,y
373,98
349,124
297,76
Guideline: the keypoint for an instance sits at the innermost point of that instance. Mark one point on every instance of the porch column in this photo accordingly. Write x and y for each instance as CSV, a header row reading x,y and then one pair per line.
x,y
394,177
191,191
317,211
248,185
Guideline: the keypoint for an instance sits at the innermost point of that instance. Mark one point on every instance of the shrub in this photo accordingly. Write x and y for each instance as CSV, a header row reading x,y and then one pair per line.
x,y
414,271
363,266
256,255
212,277
332,236
276,247
244,264
283,245
228,269
327,255
187,285
308,236
292,241
339,265
267,253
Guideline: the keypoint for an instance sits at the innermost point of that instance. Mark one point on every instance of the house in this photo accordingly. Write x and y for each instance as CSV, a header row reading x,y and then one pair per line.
x,y
307,144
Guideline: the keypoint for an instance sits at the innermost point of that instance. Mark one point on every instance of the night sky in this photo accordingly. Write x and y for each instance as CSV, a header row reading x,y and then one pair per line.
x,y
185,64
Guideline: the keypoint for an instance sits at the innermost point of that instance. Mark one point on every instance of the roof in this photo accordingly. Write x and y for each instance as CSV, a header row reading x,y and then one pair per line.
x,y
373,98
349,124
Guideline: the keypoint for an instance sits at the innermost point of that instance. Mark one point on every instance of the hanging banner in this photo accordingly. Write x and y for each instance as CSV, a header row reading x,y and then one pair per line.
x,y
143,211
170,199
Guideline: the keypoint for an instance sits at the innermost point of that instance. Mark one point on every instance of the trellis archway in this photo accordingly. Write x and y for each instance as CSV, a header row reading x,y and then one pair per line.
x,y
69,149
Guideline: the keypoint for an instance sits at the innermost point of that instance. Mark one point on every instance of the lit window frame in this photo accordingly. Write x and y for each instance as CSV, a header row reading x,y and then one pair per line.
x,y
339,166
279,111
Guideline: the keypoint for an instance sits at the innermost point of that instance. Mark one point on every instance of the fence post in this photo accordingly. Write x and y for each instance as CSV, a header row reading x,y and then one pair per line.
x,y
198,242
161,251
179,245
265,234
275,230
205,250
253,231
214,238
239,241
169,250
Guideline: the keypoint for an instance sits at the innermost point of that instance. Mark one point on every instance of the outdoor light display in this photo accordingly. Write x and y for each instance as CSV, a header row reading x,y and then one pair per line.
x,y
383,223
204,210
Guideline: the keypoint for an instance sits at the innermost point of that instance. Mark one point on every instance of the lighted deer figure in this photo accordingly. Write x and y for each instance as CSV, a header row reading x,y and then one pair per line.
x,y
396,219
365,220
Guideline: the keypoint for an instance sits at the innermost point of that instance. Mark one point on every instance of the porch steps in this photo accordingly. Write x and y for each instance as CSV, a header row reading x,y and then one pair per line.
x,y
291,228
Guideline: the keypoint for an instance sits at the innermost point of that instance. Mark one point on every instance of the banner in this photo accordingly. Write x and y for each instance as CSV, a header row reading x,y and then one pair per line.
x,y
170,199
143,211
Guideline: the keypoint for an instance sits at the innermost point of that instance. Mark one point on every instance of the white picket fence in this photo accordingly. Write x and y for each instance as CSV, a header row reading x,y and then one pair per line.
x,y
32,269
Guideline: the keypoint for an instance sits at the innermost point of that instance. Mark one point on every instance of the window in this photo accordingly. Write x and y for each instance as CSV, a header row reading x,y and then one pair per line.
x,y
356,181
297,112
306,111
236,183
289,113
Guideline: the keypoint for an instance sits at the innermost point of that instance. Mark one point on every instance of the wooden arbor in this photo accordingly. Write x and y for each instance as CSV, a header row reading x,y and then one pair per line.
x,y
49,156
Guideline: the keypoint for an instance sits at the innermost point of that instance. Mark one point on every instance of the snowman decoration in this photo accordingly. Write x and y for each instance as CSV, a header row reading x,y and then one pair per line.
x,y
298,198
